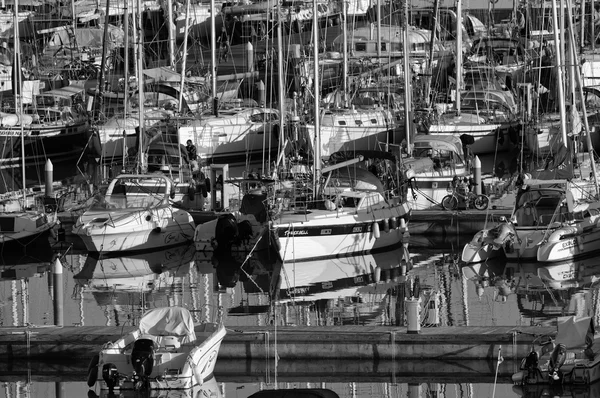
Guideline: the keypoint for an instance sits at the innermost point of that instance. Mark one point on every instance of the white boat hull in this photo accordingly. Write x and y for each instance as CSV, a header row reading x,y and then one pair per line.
x,y
337,234
568,243
139,235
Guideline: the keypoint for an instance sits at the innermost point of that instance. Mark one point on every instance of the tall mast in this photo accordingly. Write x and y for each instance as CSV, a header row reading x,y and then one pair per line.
x,y
317,94
185,50
407,81
104,51
126,74
18,90
581,95
141,96
171,33
345,51
458,53
559,77
213,55
280,85
434,30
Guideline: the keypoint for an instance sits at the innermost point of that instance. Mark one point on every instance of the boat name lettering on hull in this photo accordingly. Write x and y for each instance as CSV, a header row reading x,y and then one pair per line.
x,y
569,243
12,133
294,233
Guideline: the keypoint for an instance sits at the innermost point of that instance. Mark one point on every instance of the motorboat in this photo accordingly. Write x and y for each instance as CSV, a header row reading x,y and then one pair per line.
x,y
167,351
569,358
209,388
551,221
135,214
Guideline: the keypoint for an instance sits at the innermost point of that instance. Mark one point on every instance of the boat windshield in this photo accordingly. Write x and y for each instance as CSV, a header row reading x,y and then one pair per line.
x,y
128,194
540,207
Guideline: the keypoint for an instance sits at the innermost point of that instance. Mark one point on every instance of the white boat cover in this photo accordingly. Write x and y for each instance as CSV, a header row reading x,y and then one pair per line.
x,y
572,331
169,321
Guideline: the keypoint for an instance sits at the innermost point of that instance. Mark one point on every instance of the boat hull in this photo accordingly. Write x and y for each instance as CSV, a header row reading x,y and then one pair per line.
x,y
342,234
57,142
135,230
568,243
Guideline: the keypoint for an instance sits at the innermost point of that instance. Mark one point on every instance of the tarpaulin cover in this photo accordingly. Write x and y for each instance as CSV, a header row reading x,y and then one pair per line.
x,y
572,331
168,321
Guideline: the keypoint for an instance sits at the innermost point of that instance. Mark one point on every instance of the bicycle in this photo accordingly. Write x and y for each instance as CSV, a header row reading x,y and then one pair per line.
x,y
472,200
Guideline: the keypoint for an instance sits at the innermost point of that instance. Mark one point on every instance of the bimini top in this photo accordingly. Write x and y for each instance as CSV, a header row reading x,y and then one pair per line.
x,y
169,321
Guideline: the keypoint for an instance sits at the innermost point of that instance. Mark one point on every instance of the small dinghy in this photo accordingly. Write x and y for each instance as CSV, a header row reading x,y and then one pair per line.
x,y
166,352
571,358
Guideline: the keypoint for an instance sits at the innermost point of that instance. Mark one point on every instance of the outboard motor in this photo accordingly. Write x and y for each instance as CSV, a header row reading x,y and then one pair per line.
x,y
142,358
110,375
531,361
557,359
226,231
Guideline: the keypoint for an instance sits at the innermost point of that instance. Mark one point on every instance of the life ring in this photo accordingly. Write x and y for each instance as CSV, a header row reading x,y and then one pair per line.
x,y
93,371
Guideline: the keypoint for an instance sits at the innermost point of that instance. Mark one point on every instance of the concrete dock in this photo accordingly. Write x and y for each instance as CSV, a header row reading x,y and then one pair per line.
x,y
380,343
294,371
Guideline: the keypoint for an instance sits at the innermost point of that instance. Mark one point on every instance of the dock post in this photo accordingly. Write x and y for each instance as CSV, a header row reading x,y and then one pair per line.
x,y
57,273
413,309
477,174
49,169
414,390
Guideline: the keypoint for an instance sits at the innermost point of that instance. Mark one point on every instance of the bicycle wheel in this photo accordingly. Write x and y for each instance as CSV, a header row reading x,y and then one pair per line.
x,y
481,202
450,202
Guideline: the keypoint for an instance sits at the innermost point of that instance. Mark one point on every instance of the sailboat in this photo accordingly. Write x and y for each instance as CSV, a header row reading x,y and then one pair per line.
x,y
21,228
343,215
137,212
553,219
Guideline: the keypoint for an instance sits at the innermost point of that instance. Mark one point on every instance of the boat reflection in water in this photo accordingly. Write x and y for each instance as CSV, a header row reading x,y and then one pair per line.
x,y
208,389
354,289
126,286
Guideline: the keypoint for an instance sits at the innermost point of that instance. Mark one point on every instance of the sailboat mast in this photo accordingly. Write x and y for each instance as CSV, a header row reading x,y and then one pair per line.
x,y
126,75
459,53
102,78
407,81
317,95
213,54
578,80
280,85
345,52
559,77
185,50
434,30
18,94
141,96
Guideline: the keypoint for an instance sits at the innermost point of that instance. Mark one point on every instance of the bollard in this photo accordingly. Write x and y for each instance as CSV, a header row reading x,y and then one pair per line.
x,y
413,312
477,174
49,168
57,273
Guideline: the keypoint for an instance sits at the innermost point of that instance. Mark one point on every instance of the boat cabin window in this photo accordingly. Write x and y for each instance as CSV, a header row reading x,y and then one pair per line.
x,y
360,46
7,224
540,208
